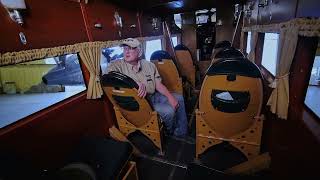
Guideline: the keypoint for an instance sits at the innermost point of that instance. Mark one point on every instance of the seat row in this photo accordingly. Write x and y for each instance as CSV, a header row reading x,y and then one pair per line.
x,y
230,100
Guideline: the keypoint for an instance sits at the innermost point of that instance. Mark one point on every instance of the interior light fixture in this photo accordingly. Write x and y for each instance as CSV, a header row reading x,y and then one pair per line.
x,y
13,7
118,21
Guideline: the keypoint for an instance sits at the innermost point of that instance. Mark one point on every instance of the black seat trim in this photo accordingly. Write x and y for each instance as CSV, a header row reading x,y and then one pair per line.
x,y
239,104
181,47
229,53
118,80
159,55
236,66
126,102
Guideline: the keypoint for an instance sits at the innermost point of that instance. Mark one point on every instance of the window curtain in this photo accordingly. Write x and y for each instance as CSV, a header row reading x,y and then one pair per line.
x,y
91,58
289,32
279,99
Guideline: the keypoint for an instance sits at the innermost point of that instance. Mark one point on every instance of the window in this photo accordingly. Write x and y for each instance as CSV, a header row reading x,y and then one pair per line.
x,y
27,88
248,43
313,92
152,46
174,40
178,20
205,16
108,55
270,51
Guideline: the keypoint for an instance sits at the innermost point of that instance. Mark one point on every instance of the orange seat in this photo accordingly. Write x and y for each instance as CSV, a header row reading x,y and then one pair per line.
x,y
132,112
168,71
230,105
185,63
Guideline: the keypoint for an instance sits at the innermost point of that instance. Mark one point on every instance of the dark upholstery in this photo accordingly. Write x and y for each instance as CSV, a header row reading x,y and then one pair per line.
x,y
159,55
106,156
229,53
181,47
76,171
117,79
235,66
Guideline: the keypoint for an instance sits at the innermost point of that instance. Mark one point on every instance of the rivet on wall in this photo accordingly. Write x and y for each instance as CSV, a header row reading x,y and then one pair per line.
x,y
23,38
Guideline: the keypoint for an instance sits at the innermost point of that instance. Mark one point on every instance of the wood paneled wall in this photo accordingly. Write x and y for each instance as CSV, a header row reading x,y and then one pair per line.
x,y
281,10
292,143
47,24
61,22
45,138
225,14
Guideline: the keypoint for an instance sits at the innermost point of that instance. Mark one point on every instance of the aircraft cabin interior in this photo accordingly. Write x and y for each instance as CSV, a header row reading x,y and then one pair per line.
x,y
159,89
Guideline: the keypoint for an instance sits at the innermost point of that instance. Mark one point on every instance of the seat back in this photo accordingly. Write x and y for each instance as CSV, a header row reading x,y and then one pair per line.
x,y
185,63
231,96
227,53
167,70
123,93
220,46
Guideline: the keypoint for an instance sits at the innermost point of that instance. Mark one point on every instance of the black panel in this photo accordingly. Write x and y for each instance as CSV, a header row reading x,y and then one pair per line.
x,y
236,66
239,103
206,37
220,157
126,102
229,53
143,143
117,79
159,55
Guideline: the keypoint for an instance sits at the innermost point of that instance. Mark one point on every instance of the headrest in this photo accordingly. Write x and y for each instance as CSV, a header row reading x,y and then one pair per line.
x,y
181,47
158,55
222,44
117,79
230,52
235,66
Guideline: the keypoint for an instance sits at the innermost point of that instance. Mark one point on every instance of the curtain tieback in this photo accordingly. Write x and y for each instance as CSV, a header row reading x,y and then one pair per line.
x,y
283,76
96,77
276,79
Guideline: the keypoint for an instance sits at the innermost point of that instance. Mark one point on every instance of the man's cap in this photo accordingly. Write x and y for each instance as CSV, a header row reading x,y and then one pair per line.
x,y
132,42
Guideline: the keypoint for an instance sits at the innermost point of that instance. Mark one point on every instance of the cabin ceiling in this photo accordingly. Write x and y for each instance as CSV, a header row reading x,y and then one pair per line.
x,y
165,7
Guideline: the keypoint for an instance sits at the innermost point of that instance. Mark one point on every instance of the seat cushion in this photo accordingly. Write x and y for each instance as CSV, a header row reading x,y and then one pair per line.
x,y
105,155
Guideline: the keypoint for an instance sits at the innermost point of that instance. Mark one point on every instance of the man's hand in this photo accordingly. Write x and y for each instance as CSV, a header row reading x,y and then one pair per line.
x,y
173,102
163,90
142,91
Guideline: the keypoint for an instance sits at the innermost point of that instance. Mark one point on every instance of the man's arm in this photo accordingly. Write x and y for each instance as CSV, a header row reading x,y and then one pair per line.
x,y
164,91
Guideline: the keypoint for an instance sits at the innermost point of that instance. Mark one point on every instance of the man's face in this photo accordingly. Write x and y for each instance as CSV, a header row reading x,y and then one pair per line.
x,y
131,54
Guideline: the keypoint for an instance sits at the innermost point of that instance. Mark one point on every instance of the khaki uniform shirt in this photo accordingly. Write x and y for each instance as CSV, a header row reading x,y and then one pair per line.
x,y
145,72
